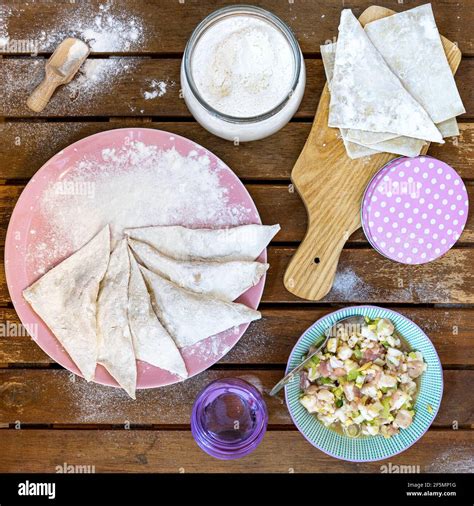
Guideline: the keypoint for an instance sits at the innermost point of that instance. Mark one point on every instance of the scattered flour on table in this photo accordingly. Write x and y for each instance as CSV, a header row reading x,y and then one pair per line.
x,y
463,460
156,89
110,29
94,80
113,32
96,77
107,27
94,403
5,13
137,185
348,284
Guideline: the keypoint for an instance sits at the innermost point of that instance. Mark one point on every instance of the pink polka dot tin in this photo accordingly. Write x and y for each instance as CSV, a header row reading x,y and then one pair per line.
x,y
414,209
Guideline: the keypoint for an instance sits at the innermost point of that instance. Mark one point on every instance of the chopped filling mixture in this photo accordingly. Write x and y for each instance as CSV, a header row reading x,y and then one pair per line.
x,y
363,381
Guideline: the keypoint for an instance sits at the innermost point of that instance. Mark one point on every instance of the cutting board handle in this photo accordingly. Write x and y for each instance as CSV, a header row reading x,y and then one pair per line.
x,y
311,271
332,201
331,186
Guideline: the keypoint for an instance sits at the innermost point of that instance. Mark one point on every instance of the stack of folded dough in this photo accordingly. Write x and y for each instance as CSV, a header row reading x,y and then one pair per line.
x,y
160,290
391,86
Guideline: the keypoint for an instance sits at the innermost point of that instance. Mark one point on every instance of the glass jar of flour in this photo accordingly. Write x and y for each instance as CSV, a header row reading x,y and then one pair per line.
x,y
243,74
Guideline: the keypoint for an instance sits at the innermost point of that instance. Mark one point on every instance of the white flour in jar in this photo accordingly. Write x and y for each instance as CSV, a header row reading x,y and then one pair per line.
x,y
243,66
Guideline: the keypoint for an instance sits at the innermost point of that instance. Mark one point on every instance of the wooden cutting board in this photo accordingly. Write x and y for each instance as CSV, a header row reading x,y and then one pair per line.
x,y
331,186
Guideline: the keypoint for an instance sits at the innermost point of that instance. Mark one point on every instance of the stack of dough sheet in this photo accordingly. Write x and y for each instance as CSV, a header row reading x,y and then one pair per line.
x,y
391,86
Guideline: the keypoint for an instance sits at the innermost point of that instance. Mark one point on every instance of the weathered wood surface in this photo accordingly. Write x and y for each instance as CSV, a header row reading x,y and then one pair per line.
x,y
439,451
131,78
270,340
165,26
58,397
276,203
34,391
26,145
364,276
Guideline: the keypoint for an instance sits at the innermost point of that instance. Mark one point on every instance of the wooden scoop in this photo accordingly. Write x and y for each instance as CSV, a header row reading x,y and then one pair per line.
x,y
60,69
331,186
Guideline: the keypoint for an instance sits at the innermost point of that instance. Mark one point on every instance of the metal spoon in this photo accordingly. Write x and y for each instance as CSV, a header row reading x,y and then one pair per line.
x,y
350,321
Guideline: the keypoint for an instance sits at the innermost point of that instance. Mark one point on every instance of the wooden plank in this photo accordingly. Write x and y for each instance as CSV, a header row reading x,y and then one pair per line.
x,y
57,397
439,451
26,146
276,204
364,276
8,197
457,151
167,28
127,78
131,78
270,340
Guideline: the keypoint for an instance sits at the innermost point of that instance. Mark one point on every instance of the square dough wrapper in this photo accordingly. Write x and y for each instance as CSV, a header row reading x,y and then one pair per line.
x,y
398,145
411,45
363,82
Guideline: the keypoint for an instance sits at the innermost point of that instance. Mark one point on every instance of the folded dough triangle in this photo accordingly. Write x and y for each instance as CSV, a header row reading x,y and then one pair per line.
x,y
116,351
354,139
152,342
367,95
410,44
191,317
244,242
66,300
222,280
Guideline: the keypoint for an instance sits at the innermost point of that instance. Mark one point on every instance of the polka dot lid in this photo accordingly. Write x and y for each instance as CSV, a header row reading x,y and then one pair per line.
x,y
414,209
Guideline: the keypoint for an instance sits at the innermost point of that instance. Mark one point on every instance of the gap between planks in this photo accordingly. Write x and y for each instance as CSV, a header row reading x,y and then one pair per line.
x,y
170,55
244,367
170,428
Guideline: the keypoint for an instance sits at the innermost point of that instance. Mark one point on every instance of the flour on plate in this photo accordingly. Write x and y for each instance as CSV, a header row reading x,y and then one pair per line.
x,y
138,185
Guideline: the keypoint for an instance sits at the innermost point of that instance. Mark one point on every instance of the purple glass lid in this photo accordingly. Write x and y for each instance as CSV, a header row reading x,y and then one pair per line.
x,y
415,209
229,418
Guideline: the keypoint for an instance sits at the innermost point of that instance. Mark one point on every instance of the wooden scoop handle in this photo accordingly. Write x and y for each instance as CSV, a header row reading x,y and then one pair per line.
x,y
40,97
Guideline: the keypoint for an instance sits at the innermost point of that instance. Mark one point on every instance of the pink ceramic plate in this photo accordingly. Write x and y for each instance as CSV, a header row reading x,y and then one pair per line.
x,y
26,221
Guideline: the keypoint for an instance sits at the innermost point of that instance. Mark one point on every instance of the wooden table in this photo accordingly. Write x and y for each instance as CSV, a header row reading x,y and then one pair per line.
x,y
48,416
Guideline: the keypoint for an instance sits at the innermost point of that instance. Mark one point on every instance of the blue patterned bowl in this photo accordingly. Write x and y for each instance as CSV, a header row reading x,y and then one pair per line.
x,y
371,448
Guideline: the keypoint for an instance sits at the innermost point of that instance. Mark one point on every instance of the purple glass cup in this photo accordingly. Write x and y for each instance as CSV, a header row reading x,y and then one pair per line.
x,y
229,418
